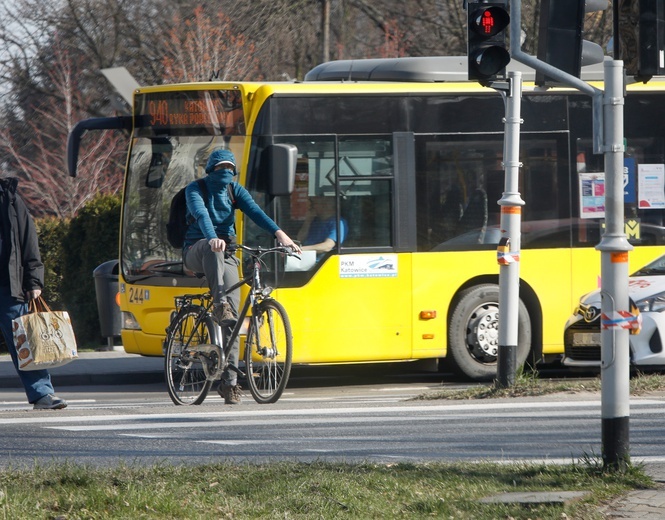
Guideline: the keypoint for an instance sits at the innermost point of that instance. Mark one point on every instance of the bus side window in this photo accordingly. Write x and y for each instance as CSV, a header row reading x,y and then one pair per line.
x,y
368,217
474,217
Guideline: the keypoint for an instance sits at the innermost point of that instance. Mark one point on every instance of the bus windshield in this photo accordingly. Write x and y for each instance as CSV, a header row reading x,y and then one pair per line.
x,y
175,133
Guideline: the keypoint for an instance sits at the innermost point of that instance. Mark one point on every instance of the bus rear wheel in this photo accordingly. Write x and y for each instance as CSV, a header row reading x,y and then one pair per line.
x,y
473,333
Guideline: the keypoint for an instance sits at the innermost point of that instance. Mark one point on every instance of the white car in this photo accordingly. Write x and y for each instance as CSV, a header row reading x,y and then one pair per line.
x,y
646,289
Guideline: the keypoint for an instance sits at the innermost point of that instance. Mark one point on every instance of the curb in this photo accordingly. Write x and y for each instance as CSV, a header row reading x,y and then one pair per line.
x,y
134,378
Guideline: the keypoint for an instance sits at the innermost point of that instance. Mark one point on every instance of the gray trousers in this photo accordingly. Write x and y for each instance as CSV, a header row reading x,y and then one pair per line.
x,y
220,272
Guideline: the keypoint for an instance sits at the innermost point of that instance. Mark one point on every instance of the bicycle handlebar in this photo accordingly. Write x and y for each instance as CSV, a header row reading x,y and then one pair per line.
x,y
258,252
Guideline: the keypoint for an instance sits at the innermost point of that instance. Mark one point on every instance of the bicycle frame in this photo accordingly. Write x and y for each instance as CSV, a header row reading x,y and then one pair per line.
x,y
256,294
267,377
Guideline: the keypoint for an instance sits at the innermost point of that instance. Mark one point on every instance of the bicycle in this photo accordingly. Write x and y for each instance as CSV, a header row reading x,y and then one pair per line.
x,y
196,348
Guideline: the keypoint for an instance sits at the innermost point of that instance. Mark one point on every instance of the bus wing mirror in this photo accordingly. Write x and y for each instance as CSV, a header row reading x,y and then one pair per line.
x,y
96,123
283,159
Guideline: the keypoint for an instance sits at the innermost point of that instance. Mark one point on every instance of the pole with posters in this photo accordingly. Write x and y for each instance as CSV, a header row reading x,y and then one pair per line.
x,y
616,318
614,246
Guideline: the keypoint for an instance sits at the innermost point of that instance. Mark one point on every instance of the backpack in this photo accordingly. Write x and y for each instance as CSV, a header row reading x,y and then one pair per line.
x,y
177,225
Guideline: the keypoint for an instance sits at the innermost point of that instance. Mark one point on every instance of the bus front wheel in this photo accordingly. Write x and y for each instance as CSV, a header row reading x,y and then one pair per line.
x,y
473,333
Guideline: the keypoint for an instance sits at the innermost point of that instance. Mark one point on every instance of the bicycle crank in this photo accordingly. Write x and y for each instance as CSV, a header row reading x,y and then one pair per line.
x,y
212,359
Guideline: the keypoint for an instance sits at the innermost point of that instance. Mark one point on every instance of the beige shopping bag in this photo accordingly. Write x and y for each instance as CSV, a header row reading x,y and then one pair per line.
x,y
44,338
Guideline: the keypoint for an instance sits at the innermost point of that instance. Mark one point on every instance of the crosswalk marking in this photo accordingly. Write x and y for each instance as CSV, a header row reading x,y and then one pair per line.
x,y
547,407
176,420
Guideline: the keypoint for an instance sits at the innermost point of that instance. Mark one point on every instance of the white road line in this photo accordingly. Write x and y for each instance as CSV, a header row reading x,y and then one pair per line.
x,y
547,408
177,422
70,401
339,399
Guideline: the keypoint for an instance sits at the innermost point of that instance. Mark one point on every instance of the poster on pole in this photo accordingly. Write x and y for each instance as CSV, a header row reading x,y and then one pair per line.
x,y
629,181
651,186
592,195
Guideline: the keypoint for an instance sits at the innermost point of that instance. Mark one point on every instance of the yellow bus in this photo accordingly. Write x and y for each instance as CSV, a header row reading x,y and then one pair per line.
x,y
410,156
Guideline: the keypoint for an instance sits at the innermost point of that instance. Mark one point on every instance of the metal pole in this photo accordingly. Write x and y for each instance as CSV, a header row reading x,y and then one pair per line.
x,y
615,313
564,78
509,246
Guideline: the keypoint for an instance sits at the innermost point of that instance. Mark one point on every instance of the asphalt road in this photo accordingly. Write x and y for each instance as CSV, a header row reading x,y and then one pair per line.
x,y
330,420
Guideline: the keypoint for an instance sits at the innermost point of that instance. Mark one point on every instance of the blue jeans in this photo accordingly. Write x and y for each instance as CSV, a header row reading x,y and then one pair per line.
x,y
37,383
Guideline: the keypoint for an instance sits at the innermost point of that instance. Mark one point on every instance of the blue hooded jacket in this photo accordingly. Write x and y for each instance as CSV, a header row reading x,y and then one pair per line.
x,y
215,218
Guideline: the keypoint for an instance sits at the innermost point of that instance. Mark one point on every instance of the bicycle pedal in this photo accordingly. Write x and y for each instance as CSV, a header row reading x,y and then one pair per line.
x,y
237,370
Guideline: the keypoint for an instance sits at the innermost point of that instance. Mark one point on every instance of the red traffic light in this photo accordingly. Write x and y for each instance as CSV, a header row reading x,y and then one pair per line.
x,y
489,21
487,55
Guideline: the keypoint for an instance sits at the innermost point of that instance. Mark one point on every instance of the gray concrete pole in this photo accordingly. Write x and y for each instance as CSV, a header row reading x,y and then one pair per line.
x,y
614,247
509,246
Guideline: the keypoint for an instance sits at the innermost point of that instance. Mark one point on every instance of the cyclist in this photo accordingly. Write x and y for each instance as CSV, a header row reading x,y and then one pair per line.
x,y
211,229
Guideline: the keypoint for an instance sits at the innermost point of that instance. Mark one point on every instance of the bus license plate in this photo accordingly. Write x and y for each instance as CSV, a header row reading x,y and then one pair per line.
x,y
586,338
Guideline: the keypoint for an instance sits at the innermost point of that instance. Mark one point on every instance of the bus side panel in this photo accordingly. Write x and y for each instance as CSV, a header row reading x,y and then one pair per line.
x,y
641,256
354,319
437,277
549,273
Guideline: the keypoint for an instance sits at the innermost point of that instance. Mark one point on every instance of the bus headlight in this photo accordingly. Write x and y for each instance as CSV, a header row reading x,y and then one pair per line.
x,y
129,321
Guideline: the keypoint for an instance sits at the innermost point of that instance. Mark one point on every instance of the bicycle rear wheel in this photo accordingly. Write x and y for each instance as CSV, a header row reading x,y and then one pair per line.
x,y
183,369
268,352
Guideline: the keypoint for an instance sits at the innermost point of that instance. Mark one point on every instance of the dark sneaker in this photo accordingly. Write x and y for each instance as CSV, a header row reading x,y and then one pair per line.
x,y
50,402
231,394
223,314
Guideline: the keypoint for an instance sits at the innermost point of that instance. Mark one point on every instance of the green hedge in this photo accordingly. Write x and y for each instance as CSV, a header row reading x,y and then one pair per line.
x,y
71,250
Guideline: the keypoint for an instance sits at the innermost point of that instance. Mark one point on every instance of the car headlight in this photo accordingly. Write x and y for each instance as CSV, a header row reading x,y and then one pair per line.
x,y
655,303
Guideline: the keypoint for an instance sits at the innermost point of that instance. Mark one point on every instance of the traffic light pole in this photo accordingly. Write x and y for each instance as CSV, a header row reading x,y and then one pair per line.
x,y
614,247
509,246
564,78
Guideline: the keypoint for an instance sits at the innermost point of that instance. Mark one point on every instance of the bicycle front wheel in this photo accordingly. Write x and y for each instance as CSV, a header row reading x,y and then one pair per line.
x,y
183,368
268,352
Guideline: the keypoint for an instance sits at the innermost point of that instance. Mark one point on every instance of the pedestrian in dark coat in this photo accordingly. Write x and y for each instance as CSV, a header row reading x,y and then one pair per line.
x,y
21,280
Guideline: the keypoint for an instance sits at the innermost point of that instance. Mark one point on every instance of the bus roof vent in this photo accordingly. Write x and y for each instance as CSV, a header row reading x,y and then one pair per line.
x,y
421,69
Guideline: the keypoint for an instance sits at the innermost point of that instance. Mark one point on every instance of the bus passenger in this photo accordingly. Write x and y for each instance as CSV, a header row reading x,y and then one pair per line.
x,y
21,280
212,228
319,231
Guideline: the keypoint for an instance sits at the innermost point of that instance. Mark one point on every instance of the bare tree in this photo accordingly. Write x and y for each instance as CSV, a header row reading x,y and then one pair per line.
x,y
39,163
203,48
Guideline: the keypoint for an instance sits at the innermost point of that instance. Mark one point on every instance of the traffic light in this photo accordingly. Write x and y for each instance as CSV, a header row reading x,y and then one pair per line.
x,y
560,32
640,35
487,54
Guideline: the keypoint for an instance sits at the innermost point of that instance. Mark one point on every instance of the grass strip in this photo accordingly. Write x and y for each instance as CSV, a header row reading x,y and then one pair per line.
x,y
305,490
528,384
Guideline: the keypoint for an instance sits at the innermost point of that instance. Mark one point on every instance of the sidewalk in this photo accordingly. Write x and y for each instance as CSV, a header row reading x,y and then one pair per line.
x,y
114,367
645,504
